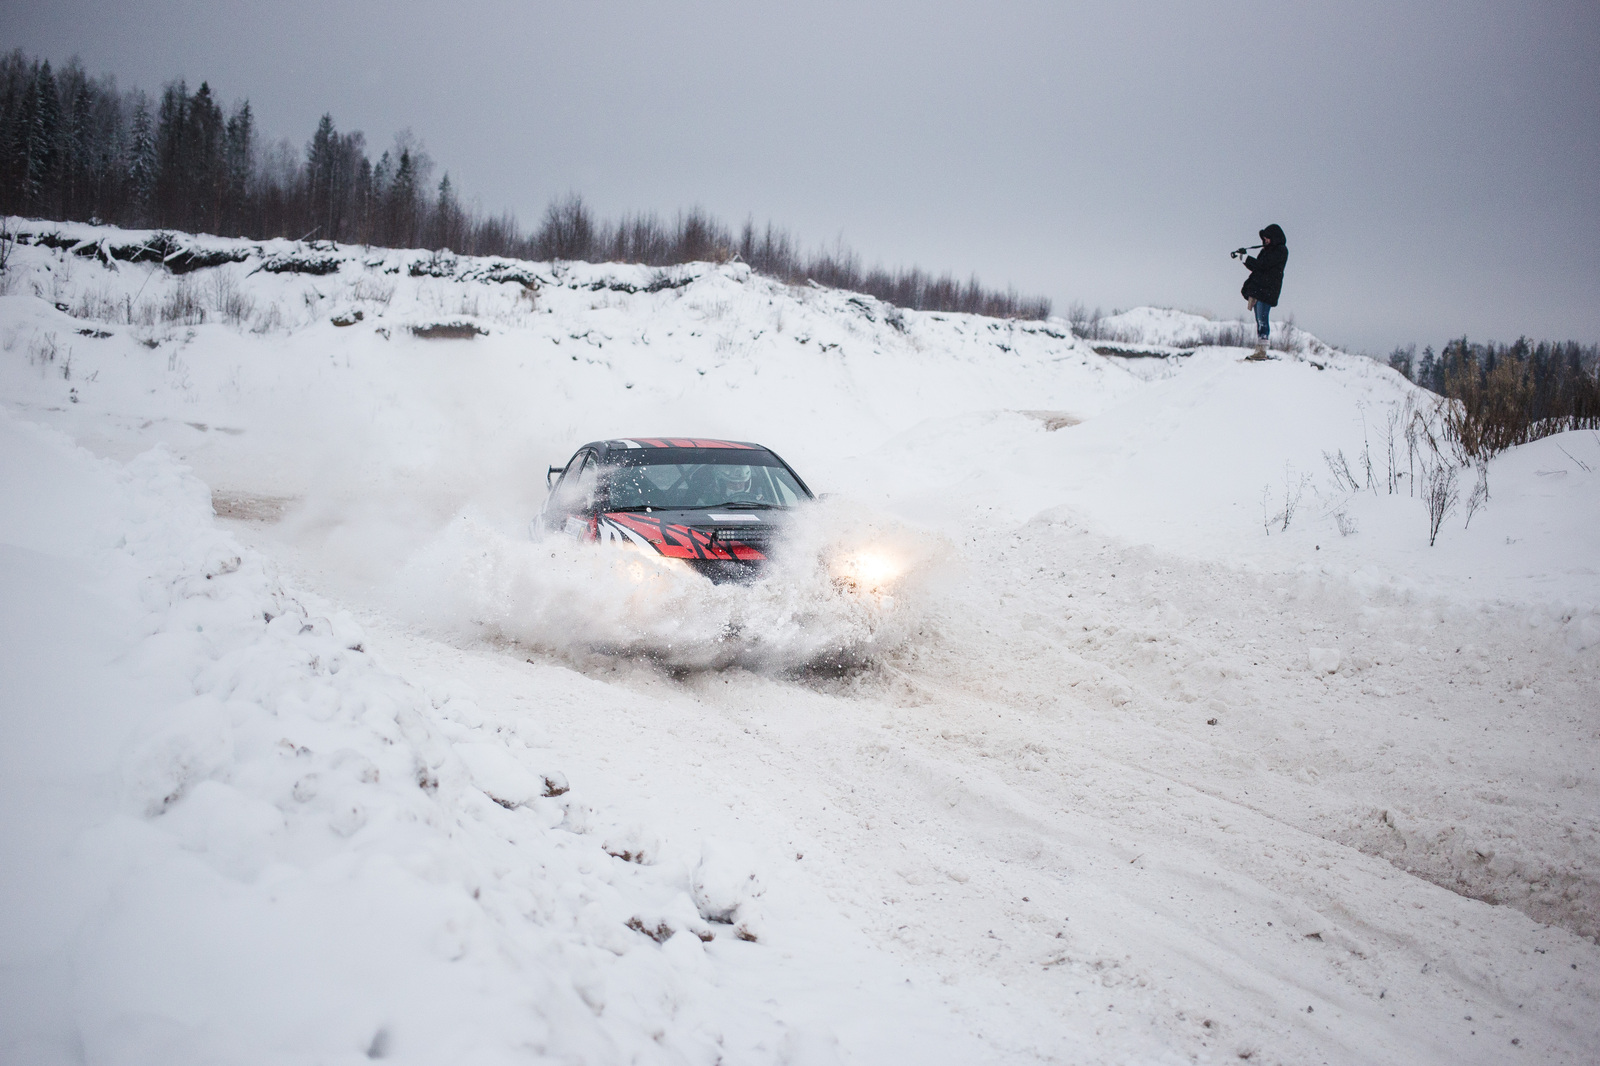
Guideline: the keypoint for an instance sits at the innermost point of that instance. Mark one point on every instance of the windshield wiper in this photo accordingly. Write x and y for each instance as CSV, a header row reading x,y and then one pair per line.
x,y
744,505
628,510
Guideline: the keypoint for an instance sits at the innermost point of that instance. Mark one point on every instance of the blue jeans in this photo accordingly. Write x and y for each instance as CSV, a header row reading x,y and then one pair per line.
x,y
1263,327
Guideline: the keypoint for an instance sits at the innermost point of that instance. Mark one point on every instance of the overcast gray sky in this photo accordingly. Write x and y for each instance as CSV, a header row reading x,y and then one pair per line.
x,y
1435,164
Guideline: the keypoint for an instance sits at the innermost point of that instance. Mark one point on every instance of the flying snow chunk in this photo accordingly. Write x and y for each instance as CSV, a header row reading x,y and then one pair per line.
x,y
725,889
501,776
1324,660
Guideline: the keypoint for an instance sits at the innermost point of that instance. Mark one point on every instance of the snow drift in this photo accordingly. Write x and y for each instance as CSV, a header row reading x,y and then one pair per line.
x,y
263,844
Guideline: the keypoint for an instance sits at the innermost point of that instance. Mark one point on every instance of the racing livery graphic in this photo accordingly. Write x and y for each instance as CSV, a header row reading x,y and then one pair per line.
x,y
715,504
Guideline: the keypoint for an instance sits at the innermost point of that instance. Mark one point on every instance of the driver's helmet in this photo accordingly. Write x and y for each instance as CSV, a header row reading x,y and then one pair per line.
x,y
734,479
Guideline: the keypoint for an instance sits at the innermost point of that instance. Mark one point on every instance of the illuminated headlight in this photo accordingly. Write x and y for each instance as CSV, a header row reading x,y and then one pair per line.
x,y
641,565
870,570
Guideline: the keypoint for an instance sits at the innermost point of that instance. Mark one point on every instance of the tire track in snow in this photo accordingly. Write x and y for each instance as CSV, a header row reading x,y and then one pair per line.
x,y
1040,878
1026,804
1436,744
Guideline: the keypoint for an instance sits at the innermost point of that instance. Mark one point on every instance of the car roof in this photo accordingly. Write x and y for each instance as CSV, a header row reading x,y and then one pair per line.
x,y
605,449
631,443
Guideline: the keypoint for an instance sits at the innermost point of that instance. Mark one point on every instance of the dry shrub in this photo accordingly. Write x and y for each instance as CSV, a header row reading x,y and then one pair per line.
x,y
1440,491
1287,338
231,305
270,319
1492,411
1232,335
184,304
99,305
1500,396
1094,327
43,348
372,290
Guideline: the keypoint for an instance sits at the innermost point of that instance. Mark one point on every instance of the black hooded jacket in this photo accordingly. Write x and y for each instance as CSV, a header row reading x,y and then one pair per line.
x,y
1266,270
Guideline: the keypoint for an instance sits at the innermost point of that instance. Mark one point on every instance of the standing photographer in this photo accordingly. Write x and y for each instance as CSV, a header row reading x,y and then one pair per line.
x,y
1265,282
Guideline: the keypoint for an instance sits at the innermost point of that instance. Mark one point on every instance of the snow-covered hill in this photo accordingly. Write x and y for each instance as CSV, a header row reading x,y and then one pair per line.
x,y
1164,747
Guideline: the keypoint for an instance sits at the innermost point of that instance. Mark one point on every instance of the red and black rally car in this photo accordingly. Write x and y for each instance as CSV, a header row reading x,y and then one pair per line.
x,y
716,504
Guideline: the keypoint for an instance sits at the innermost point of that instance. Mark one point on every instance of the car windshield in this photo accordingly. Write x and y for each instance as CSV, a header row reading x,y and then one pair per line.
x,y
758,481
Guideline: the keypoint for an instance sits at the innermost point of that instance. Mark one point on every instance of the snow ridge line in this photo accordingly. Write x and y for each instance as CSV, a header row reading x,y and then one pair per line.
x,y
181,253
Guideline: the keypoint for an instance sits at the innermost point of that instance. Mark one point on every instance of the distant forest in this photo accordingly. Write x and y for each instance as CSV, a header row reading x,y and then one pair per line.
x,y
76,148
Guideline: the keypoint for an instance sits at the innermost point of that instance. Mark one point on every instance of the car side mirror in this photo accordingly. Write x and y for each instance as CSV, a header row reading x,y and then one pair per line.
x,y
549,478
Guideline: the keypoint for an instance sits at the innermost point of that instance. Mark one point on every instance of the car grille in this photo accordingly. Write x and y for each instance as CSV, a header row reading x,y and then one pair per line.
x,y
754,536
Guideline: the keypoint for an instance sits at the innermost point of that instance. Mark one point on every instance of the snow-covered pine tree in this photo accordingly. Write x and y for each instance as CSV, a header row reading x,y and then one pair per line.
x,y
40,149
240,165
141,164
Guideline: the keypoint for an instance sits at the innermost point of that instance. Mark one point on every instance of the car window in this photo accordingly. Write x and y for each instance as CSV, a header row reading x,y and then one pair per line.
x,y
782,487
588,482
642,486
567,494
674,485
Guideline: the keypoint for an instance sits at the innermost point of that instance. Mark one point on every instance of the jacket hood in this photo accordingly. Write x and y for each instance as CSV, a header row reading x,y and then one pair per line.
x,y
1274,233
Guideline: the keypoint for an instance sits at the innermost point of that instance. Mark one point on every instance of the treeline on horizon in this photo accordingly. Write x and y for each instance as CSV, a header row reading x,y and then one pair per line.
x,y
74,147
1509,394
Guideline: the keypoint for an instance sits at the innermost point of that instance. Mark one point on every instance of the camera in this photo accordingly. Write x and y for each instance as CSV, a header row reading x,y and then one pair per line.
x,y
1239,253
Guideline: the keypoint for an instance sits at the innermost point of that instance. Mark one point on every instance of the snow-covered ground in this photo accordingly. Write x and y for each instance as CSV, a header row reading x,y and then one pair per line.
x,y
1125,766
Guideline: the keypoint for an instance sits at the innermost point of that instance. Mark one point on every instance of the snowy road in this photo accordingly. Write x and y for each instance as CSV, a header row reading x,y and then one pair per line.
x,y
1027,808
1125,769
